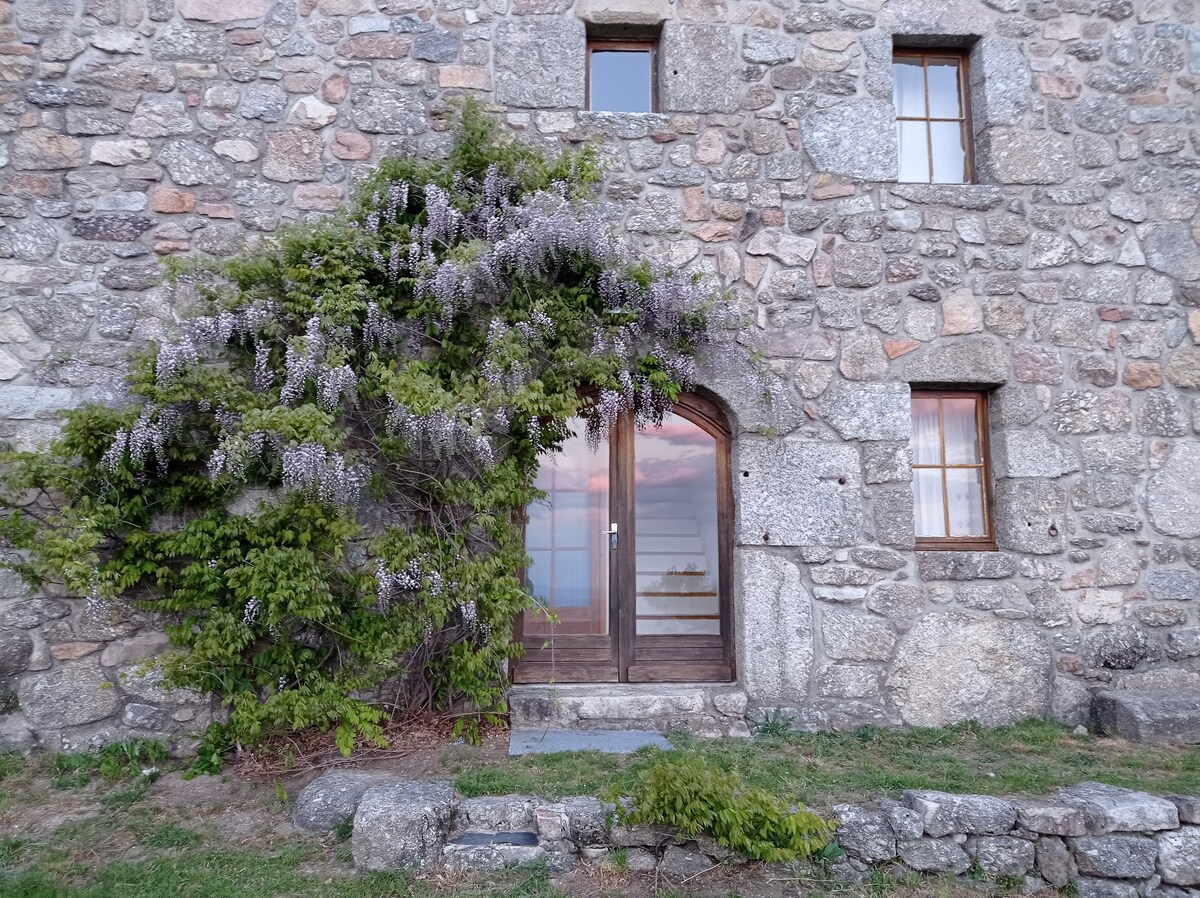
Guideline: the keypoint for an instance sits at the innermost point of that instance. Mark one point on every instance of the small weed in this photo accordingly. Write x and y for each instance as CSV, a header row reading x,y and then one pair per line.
x,y
171,836
1007,885
618,859
30,884
281,796
73,771
772,723
129,796
10,764
210,756
534,885
131,758
343,831
9,702
879,883
121,760
10,851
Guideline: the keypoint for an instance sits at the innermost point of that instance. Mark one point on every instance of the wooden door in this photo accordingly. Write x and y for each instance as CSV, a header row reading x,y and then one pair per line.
x,y
630,557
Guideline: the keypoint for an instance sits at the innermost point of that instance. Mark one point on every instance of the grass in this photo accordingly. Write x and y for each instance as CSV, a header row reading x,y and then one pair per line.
x,y
124,846
823,769
241,874
174,861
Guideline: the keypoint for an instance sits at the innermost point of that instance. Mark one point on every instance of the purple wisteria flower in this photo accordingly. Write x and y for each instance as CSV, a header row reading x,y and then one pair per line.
x,y
312,467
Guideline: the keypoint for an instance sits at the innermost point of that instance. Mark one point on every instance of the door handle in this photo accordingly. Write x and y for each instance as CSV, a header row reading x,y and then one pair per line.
x,y
612,535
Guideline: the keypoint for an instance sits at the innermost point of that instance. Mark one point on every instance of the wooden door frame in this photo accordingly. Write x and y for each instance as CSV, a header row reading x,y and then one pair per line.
x,y
583,664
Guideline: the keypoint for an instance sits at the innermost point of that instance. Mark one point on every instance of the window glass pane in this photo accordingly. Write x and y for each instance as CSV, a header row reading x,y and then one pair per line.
x,y
914,151
926,437
949,157
962,433
965,497
620,80
927,502
942,77
908,76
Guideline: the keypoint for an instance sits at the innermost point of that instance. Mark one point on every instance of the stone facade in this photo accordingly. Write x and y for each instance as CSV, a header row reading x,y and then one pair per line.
x,y
1067,281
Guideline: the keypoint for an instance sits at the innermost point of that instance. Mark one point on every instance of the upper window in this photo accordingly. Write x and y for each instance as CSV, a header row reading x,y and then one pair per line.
x,y
620,76
951,470
932,116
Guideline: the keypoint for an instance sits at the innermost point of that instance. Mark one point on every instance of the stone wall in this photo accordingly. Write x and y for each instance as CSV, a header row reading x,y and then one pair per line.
x,y
1067,281
1107,841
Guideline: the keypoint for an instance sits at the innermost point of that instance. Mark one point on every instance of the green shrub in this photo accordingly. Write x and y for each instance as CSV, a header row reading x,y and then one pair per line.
x,y
696,797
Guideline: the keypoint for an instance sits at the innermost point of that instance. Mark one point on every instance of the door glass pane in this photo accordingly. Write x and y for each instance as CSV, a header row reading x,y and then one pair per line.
x,y
927,502
678,562
537,527
962,432
914,151
949,156
926,433
965,497
568,552
620,80
942,77
572,579
909,91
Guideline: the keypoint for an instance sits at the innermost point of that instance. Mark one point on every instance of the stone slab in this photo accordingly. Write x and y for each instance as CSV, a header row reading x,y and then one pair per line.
x,y
1113,809
617,742
1157,716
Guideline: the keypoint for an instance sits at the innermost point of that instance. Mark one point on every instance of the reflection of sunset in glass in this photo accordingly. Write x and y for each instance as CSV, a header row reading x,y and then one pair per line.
x,y
678,453
674,536
568,572
678,567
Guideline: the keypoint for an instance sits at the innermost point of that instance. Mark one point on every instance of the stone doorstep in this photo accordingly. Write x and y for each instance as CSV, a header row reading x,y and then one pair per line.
x,y
528,741
706,708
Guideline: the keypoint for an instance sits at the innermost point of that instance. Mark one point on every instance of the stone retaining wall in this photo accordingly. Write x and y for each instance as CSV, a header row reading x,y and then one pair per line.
x,y
1066,282
1110,842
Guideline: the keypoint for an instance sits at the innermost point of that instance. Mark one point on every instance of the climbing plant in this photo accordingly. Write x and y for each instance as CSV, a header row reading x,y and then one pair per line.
x,y
320,481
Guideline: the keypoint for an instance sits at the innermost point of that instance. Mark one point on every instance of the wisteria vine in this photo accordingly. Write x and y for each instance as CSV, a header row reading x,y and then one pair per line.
x,y
385,381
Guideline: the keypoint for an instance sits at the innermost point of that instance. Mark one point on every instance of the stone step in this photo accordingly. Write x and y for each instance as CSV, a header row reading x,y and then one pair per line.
x,y
709,709
524,741
1159,716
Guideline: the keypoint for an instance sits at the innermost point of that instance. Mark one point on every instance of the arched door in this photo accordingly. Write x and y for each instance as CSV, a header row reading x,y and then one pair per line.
x,y
630,556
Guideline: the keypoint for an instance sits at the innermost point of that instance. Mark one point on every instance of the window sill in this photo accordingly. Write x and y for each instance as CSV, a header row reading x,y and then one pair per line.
x,y
956,545
629,125
967,196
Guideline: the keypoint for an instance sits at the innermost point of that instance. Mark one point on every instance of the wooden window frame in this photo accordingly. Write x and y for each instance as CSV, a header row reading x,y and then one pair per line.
x,y
606,45
986,542
964,102
622,655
